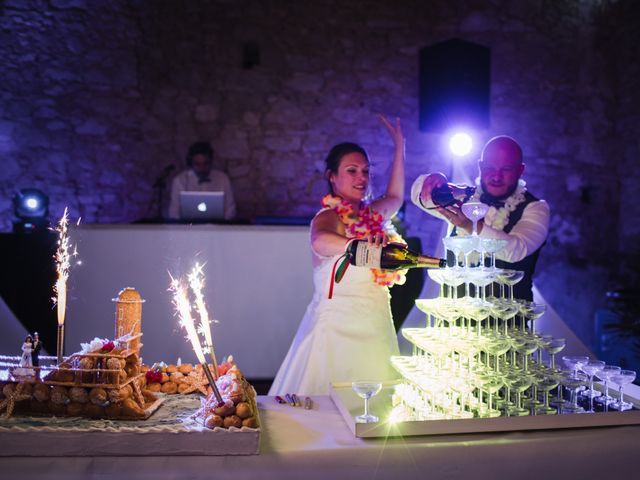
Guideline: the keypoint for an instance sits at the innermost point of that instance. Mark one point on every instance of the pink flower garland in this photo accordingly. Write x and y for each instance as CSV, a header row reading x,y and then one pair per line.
x,y
365,223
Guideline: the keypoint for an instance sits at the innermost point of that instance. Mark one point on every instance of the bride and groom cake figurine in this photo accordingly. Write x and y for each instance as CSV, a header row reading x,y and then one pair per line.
x,y
30,355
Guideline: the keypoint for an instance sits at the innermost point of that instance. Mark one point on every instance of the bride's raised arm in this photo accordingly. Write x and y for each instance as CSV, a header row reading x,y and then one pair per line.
x,y
391,201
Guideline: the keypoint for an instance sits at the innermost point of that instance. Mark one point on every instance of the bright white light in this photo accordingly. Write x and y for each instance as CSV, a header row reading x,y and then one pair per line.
x,y
202,207
32,203
460,143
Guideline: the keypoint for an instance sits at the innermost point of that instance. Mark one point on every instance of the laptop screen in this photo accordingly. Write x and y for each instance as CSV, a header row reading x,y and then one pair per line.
x,y
202,206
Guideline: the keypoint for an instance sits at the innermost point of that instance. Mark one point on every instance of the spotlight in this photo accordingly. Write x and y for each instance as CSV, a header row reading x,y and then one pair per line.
x,y
460,143
31,206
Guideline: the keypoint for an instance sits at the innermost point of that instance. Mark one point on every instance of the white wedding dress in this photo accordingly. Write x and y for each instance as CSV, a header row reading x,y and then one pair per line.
x,y
346,338
25,361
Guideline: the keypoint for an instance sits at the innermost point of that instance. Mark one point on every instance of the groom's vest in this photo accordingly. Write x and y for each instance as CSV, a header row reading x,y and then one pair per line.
x,y
522,289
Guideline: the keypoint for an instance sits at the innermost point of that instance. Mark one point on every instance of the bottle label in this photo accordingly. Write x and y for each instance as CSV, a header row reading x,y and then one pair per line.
x,y
367,255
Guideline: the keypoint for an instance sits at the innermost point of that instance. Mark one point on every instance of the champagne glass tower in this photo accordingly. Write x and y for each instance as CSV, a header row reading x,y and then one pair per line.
x,y
495,358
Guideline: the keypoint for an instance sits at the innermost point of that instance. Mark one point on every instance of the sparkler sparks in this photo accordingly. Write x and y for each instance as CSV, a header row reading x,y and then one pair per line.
x,y
63,256
183,308
196,282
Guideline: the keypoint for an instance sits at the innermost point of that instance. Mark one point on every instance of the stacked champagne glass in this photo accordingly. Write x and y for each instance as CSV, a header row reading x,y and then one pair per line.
x,y
480,354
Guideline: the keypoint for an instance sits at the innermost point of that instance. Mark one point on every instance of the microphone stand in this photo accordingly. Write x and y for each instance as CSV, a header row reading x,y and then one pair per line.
x,y
159,186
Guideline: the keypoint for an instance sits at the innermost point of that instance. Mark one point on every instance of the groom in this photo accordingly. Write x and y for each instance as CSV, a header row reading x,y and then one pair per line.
x,y
515,214
35,353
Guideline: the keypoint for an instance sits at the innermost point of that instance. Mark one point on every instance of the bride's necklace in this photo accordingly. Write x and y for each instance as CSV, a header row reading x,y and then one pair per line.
x,y
361,224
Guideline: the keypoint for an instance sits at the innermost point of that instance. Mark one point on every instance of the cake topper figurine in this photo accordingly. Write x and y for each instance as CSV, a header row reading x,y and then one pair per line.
x,y
35,352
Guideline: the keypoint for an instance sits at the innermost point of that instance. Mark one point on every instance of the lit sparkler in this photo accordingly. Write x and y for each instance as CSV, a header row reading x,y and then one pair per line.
x,y
62,257
183,308
196,282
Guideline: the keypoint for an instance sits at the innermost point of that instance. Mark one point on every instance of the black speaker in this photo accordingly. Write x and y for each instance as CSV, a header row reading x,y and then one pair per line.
x,y
454,84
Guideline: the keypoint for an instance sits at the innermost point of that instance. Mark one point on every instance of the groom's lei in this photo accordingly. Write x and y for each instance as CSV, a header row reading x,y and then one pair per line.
x,y
498,218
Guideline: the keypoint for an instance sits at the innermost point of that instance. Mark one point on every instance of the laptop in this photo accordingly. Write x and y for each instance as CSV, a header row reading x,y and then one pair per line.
x,y
202,206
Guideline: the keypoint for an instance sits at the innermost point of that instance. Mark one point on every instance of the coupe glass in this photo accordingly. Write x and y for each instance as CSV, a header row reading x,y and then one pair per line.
x,y
575,363
526,348
450,277
555,346
366,390
573,381
492,246
475,211
491,384
605,375
621,379
518,382
510,278
547,382
454,246
481,278
498,346
532,311
503,311
592,369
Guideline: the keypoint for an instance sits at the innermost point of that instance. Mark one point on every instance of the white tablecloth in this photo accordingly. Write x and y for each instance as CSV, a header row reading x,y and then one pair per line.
x,y
317,444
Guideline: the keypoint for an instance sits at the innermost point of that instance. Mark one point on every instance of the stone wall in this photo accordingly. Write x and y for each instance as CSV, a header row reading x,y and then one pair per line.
x,y
98,97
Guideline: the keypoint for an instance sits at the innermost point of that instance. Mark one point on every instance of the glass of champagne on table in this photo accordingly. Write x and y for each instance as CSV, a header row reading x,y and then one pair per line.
x,y
622,378
575,362
605,375
592,368
366,389
573,381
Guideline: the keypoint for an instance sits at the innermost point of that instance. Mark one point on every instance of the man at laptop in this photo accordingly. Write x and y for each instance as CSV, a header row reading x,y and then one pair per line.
x,y
200,177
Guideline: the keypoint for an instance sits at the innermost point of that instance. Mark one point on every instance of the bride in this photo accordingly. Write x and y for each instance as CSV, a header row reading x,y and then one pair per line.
x,y
25,359
349,336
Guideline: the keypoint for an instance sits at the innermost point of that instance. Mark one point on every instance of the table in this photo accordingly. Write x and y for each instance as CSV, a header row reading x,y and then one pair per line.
x,y
317,444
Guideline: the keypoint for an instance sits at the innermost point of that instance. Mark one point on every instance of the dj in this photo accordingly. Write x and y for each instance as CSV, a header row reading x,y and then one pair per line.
x,y
200,177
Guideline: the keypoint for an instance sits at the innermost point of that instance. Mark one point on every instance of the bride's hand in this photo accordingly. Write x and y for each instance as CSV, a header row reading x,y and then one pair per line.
x,y
378,239
394,131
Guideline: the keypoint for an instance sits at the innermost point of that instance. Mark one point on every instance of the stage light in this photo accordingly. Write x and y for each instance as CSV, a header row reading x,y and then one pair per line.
x,y
460,143
31,206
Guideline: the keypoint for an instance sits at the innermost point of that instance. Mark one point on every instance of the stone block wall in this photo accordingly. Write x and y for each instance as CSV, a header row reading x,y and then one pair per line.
x,y
98,97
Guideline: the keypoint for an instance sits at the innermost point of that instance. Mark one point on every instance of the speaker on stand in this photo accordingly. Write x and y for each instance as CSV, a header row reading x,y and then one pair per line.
x,y
454,82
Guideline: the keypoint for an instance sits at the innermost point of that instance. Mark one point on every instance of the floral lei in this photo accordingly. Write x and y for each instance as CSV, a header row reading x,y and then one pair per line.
x,y
498,218
363,224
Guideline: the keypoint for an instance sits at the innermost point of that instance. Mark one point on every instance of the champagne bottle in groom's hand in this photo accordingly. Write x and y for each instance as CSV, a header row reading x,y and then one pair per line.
x,y
450,194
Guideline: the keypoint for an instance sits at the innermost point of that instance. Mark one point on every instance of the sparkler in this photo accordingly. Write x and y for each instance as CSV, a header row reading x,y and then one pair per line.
x,y
63,262
183,308
196,282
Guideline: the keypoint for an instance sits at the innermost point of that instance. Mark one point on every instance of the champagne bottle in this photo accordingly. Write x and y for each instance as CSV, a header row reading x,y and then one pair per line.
x,y
451,194
393,256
